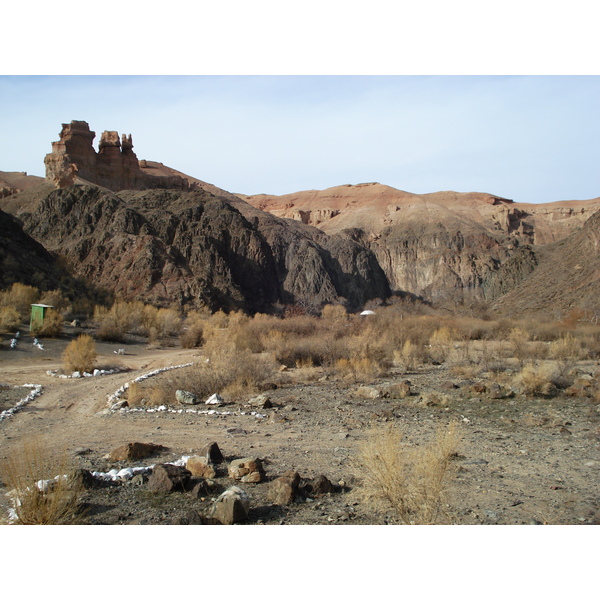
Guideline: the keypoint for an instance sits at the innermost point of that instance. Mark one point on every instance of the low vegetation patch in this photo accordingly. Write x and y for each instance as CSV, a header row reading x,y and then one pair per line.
x,y
80,355
413,481
44,490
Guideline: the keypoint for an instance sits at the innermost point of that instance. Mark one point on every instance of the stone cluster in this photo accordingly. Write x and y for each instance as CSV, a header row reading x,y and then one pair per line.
x,y
115,166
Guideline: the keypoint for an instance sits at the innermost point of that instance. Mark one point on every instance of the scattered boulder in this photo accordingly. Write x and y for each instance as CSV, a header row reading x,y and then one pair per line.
x,y
215,399
478,388
247,470
498,392
319,485
212,452
232,506
168,478
204,488
185,397
133,451
449,386
365,391
83,478
200,466
119,405
283,489
434,399
262,401
398,390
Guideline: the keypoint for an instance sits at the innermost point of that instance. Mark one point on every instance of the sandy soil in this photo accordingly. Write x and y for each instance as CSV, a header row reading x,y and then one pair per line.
x,y
521,460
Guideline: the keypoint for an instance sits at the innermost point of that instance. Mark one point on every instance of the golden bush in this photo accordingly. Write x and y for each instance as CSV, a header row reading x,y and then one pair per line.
x,y
80,354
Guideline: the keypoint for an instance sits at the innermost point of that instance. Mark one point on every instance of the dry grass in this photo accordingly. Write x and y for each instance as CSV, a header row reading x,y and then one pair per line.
x,y
138,318
10,319
359,370
20,297
538,380
80,354
413,481
51,327
56,502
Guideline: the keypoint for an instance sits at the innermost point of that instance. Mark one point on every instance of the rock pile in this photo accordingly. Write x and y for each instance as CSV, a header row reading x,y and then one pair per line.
x,y
200,477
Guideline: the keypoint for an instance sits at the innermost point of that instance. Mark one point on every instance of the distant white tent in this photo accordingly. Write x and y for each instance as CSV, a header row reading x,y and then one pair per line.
x,y
366,312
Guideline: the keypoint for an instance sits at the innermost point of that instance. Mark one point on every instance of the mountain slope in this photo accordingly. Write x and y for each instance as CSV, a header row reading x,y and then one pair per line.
x,y
195,249
446,247
567,277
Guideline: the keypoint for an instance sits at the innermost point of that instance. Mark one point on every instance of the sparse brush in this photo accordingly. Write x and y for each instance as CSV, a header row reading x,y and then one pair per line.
x,y
20,297
410,356
359,370
413,481
538,381
44,490
333,312
566,351
465,370
80,354
519,340
441,343
193,331
51,326
10,319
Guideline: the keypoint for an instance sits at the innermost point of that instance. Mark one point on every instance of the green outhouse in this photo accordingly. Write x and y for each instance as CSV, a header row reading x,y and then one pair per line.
x,y
38,312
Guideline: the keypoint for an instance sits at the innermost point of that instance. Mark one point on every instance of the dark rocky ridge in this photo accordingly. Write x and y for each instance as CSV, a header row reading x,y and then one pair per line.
x,y
194,249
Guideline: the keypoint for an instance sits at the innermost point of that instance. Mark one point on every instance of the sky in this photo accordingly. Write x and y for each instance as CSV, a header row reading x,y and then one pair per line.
x,y
527,138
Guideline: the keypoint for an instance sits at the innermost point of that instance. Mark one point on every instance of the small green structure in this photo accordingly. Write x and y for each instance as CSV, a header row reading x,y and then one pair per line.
x,y
38,312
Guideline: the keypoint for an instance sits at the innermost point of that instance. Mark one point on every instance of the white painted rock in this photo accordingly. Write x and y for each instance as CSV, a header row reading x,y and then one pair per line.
x,y
215,399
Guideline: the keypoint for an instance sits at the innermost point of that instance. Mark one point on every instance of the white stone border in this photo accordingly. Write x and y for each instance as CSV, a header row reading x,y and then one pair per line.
x,y
114,398
9,412
78,375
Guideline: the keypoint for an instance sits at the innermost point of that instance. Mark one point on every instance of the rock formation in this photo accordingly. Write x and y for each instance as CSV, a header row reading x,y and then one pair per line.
x,y
115,166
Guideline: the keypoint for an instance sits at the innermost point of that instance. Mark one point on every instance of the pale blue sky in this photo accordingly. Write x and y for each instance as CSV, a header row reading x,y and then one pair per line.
x,y
528,138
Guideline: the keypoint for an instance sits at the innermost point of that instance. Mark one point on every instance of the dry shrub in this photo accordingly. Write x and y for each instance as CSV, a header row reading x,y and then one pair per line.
x,y
58,502
359,370
491,356
410,356
80,354
20,297
539,381
519,340
413,481
440,343
193,329
113,323
135,394
333,312
136,317
465,370
567,349
231,373
10,319
51,327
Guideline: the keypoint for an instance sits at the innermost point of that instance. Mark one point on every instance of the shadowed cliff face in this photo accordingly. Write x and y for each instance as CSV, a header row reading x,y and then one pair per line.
x,y
446,247
22,259
193,249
